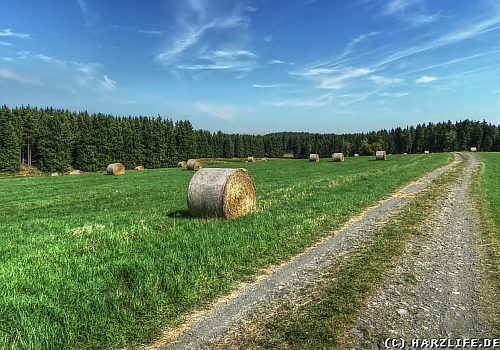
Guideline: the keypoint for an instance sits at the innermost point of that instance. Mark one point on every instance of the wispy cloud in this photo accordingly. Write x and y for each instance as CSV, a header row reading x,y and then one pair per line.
x,y
17,77
338,81
107,83
150,32
270,86
84,9
410,12
496,91
350,46
394,94
425,79
319,101
229,113
394,7
268,38
470,31
241,60
4,43
349,99
381,80
8,59
196,21
9,33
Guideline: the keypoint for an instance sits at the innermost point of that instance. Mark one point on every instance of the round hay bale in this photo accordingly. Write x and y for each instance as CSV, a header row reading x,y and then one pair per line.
x,y
182,164
221,192
338,157
314,157
473,149
194,164
250,159
426,152
264,159
76,172
139,168
54,174
380,155
115,169
356,154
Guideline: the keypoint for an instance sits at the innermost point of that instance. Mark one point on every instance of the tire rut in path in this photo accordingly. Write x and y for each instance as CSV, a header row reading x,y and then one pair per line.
x,y
435,290
228,312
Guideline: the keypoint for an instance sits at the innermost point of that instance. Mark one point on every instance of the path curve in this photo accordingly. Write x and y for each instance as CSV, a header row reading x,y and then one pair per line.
x,y
228,312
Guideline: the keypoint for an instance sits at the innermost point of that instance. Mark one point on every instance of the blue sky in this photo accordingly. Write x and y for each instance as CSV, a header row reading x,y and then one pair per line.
x,y
256,66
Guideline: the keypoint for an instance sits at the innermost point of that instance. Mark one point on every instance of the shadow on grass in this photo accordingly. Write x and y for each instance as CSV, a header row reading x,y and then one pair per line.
x,y
180,214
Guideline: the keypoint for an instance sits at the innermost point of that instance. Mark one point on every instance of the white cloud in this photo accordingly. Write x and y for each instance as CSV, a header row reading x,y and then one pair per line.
x,y
356,97
350,46
228,113
4,43
394,94
8,59
320,101
9,33
268,38
150,32
424,79
337,82
393,7
412,12
473,30
195,23
12,75
267,86
240,61
107,83
276,62
381,80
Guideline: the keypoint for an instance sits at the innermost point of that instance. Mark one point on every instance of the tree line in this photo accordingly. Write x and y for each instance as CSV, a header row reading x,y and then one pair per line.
x,y
57,140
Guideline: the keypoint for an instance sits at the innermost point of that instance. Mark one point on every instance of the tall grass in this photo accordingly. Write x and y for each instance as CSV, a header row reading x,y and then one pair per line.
x,y
97,261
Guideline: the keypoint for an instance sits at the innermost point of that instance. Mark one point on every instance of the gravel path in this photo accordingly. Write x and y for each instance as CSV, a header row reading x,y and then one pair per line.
x,y
289,276
434,292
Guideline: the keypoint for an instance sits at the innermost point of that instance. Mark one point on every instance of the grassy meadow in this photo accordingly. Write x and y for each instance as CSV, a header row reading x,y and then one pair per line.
x,y
96,261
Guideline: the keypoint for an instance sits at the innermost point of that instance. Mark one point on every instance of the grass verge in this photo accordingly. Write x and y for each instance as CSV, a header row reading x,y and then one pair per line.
x,y
320,321
486,192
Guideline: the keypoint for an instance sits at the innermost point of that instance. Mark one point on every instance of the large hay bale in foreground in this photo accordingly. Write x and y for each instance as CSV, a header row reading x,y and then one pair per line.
x,y
473,149
314,157
338,157
182,164
380,155
194,164
115,169
250,159
221,192
139,168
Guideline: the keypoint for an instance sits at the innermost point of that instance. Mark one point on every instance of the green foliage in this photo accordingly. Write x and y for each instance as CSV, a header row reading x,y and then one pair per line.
x,y
58,139
10,141
99,262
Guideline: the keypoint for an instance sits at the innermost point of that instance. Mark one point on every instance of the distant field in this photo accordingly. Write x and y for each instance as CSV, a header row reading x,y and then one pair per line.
x,y
96,261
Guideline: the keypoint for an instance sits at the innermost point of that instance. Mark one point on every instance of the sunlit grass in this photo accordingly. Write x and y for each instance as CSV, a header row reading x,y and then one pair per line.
x,y
97,261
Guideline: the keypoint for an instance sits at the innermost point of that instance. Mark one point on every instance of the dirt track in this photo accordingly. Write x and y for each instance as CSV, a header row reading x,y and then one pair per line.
x,y
434,292
280,281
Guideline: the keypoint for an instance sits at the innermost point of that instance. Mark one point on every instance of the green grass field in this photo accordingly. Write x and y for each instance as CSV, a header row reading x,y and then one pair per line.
x,y
97,261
